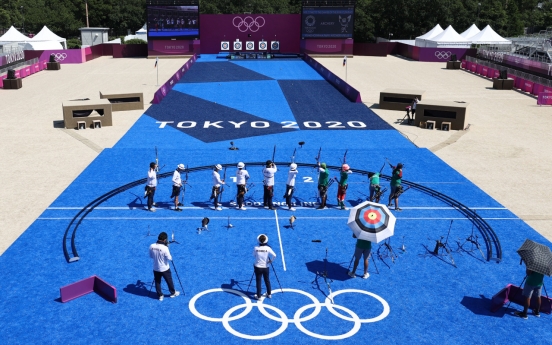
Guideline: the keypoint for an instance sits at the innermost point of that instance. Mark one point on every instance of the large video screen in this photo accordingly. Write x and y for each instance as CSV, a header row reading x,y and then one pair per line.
x,y
327,22
167,22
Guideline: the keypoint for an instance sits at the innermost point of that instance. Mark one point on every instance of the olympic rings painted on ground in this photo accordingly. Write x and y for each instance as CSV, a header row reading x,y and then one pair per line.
x,y
248,23
59,56
297,317
442,55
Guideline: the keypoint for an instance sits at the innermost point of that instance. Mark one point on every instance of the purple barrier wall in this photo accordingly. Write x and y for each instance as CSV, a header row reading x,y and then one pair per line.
x,y
62,56
129,50
86,286
165,88
170,47
327,46
526,64
347,90
285,28
545,98
370,49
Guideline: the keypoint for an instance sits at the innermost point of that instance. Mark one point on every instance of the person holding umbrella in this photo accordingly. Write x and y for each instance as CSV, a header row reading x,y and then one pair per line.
x,y
362,248
538,261
533,284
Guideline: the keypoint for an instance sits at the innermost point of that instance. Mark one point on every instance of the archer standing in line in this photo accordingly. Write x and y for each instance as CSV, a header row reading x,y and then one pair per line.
x,y
323,181
217,182
241,179
290,185
343,185
177,185
151,184
268,182
396,177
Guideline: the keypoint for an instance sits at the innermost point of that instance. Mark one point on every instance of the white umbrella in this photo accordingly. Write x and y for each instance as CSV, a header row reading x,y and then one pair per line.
x,y
371,222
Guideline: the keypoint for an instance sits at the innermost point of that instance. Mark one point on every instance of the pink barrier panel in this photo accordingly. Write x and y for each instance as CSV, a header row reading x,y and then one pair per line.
x,y
479,68
43,64
165,88
32,68
547,89
537,88
496,74
27,71
527,86
490,73
518,84
2,80
464,64
473,67
86,286
544,98
484,71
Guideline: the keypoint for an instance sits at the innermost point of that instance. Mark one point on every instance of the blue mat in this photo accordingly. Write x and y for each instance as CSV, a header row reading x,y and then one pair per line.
x,y
418,298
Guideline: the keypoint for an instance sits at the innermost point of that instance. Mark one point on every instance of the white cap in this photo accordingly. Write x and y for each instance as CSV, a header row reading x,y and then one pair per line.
x,y
241,165
293,166
218,167
181,167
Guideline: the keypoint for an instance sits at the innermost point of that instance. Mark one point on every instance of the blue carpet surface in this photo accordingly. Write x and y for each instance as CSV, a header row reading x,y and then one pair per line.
x,y
418,298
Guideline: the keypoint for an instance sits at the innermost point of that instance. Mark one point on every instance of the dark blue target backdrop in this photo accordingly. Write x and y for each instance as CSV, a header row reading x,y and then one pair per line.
x,y
259,105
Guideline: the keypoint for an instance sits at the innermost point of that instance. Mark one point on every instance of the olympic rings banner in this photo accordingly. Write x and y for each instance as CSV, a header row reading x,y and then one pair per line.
x,y
169,84
62,56
347,90
345,313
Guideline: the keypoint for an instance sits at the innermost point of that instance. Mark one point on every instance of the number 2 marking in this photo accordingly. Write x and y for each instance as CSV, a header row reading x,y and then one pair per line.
x,y
334,124
290,124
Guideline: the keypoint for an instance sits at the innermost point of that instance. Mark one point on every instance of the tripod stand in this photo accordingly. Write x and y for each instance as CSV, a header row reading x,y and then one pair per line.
x,y
387,252
473,240
441,246
175,271
324,275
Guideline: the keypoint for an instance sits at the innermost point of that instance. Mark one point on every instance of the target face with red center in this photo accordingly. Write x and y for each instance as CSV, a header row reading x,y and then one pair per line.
x,y
372,219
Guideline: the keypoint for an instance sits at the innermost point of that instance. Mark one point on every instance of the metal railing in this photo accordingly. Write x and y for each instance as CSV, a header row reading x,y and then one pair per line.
x,y
517,73
18,65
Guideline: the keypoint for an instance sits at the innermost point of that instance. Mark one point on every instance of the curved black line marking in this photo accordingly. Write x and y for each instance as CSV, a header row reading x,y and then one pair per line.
x,y
489,236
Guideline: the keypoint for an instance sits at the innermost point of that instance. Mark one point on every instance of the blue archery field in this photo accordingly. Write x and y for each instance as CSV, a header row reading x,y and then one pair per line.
x,y
418,299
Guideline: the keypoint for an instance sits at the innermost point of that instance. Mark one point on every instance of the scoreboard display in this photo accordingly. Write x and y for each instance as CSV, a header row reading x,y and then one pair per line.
x,y
327,22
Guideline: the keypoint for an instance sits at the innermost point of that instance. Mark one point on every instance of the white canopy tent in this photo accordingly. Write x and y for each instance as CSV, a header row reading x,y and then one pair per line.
x,y
13,35
42,45
489,36
448,39
420,41
46,35
472,30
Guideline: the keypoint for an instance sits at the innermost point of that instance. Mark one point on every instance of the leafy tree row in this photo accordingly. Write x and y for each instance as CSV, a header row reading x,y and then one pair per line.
x,y
404,19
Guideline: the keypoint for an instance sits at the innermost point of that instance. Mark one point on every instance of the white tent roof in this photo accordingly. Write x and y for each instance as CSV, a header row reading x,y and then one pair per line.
x,y
489,36
47,35
472,30
431,33
449,35
13,35
143,30
43,45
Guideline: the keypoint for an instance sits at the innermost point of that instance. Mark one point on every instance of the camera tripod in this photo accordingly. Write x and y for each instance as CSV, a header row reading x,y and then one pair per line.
x,y
473,241
441,246
324,275
386,251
